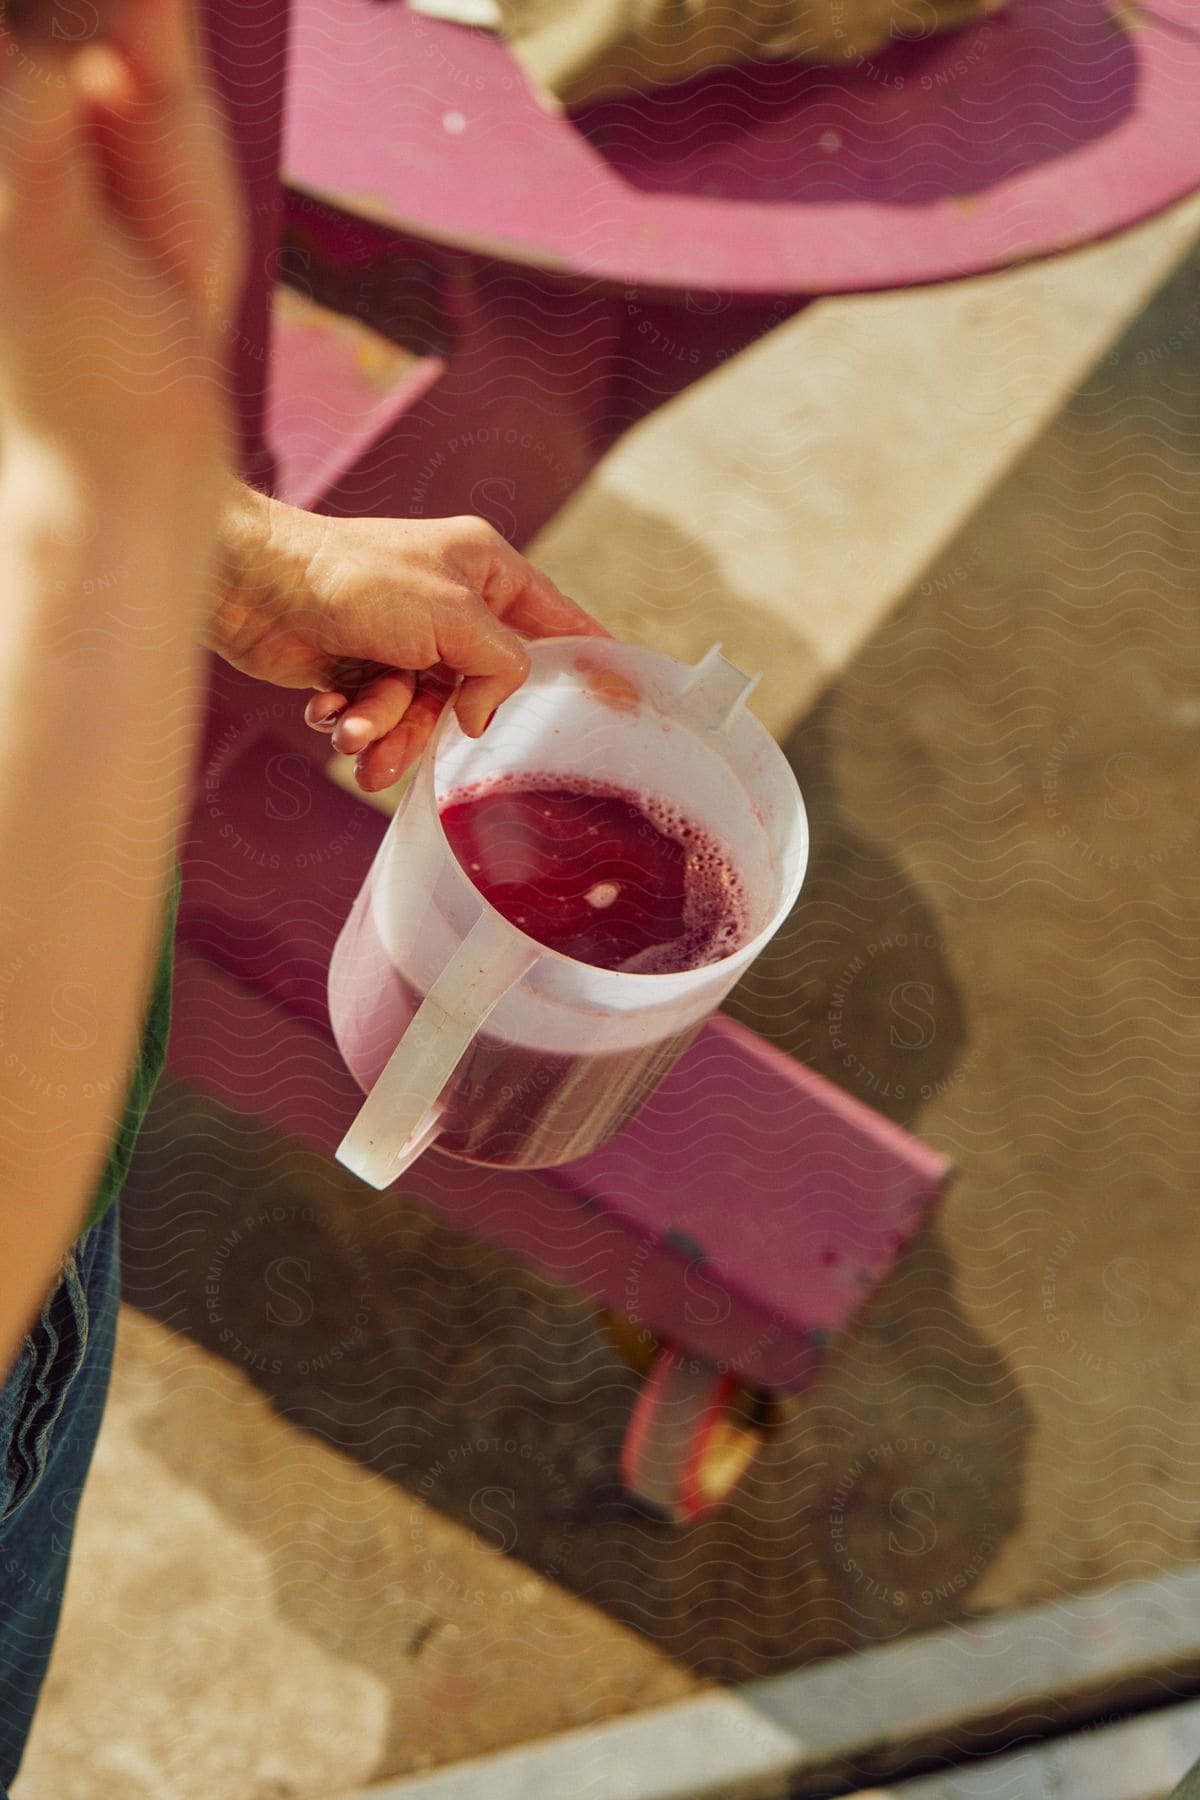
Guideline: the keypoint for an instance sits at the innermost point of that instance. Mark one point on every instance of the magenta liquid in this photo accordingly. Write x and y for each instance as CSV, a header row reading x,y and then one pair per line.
x,y
585,870
595,873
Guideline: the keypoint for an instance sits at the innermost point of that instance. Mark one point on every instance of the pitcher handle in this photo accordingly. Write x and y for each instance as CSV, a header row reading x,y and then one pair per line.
x,y
400,1117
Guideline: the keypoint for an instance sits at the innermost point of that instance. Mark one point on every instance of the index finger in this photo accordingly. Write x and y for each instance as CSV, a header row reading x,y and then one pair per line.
x,y
526,599
489,656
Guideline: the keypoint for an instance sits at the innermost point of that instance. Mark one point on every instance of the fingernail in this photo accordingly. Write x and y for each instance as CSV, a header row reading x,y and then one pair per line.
x,y
378,779
356,733
329,721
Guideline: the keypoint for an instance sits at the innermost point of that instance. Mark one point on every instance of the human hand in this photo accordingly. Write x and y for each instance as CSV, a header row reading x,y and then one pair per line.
x,y
383,617
120,241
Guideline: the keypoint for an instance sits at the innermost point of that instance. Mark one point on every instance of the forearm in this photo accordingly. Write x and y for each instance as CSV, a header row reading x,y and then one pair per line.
x,y
105,588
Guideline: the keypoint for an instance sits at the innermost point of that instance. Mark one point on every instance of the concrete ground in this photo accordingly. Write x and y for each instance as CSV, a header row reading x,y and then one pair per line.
x,y
354,1555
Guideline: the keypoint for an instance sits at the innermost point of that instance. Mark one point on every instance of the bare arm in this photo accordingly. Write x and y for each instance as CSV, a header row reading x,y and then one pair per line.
x,y
98,733
112,432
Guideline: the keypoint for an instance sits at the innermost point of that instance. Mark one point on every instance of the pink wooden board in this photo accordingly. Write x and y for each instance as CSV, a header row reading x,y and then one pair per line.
x,y
489,430
324,412
259,1056
1049,124
768,1178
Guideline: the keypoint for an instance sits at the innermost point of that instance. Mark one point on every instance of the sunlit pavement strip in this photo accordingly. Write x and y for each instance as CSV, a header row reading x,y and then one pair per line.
x,y
786,502
928,1689
705,1747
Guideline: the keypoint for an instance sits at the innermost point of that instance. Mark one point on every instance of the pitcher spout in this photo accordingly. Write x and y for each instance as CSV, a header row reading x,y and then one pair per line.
x,y
715,692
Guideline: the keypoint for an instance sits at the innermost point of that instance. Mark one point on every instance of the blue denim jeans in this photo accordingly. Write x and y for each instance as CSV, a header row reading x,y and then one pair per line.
x,y
50,1409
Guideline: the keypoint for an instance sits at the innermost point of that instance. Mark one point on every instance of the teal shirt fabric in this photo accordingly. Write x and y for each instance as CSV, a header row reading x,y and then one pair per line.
x,y
152,1054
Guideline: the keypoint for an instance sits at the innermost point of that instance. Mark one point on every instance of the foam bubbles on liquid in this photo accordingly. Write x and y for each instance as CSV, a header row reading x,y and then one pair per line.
x,y
716,906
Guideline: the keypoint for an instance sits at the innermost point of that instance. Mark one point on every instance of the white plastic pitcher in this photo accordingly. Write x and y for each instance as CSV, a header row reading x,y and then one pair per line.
x,y
464,1031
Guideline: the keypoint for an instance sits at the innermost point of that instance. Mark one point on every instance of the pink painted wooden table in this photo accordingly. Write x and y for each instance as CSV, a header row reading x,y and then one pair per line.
x,y
1048,124
576,271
